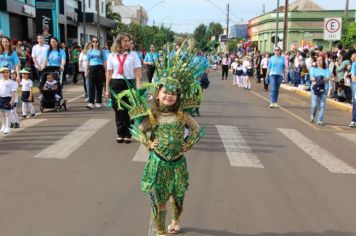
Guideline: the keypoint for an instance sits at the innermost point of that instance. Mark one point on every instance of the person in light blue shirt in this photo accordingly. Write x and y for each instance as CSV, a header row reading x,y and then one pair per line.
x,y
275,73
150,61
9,57
96,69
353,89
54,56
318,98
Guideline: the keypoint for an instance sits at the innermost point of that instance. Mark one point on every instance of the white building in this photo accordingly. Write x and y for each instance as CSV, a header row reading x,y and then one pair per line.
x,y
130,14
92,19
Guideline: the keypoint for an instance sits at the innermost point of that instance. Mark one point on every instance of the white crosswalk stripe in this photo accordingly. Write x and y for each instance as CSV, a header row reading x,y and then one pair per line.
x,y
24,125
236,147
349,137
141,155
71,142
317,153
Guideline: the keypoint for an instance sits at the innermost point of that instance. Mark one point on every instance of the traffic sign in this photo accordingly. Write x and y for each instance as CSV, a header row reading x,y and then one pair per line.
x,y
332,28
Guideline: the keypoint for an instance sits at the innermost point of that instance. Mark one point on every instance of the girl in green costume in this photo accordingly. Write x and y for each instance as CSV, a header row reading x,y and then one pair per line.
x,y
166,176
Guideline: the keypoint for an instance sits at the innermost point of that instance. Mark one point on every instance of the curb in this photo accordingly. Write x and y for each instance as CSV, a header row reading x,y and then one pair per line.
x,y
342,106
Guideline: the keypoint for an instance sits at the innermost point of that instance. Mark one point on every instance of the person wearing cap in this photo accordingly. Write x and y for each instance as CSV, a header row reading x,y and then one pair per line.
x,y
7,99
26,95
275,74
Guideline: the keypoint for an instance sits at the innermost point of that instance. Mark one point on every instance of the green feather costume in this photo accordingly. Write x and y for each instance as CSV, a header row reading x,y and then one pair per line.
x,y
166,173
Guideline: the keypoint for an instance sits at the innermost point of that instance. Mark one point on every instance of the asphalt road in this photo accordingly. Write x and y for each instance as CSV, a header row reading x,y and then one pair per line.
x,y
257,172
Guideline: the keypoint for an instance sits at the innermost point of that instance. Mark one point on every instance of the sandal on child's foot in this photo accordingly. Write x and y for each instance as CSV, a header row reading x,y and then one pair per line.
x,y
173,229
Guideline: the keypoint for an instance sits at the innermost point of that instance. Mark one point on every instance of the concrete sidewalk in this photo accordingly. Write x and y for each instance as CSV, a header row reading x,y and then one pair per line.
x,y
340,105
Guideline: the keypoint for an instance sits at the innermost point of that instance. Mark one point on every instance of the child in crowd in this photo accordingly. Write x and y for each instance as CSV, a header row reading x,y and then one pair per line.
x,y
240,74
52,84
27,94
234,67
248,68
7,99
15,123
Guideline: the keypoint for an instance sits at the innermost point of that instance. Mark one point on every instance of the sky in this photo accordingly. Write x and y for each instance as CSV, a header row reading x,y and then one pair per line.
x,y
185,15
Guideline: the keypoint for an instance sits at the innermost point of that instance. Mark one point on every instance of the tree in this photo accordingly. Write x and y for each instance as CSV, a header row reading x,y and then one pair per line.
x,y
232,44
348,37
201,36
215,29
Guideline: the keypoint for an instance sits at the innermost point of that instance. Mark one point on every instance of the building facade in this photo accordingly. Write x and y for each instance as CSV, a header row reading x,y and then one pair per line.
x,y
130,14
238,31
62,19
305,26
17,19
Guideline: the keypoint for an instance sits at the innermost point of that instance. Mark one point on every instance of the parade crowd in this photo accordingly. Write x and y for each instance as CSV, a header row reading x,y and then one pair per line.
x,y
326,74
299,68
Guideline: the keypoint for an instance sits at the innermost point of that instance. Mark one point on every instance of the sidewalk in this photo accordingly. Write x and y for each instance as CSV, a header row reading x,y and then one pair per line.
x,y
340,105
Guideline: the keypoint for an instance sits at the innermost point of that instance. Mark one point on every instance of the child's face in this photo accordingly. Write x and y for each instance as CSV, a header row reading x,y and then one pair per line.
x,y
50,78
25,76
166,98
13,76
5,74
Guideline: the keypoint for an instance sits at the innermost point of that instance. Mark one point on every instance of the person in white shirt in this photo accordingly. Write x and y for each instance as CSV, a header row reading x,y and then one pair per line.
x,y
27,95
122,64
38,54
234,67
264,68
225,67
15,123
83,61
240,74
7,99
248,69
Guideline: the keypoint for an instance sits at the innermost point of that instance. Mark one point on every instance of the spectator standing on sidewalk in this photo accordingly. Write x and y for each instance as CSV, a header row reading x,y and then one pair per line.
x,y
353,87
150,59
96,69
122,64
264,68
275,73
225,67
38,54
257,63
83,61
75,64
342,64
8,57
320,76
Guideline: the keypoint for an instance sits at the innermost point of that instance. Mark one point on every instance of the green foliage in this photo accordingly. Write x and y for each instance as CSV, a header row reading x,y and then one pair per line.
x,y
348,37
215,29
143,36
232,44
203,33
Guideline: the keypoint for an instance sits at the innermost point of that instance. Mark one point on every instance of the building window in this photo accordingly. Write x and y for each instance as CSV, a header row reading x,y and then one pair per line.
x,y
89,5
102,7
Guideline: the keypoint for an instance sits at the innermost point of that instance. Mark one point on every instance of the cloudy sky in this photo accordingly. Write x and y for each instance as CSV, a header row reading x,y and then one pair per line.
x,y
185,15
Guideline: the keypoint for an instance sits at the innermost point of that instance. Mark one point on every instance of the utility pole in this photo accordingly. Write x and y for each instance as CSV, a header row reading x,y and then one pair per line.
x,y
84,23
263,8
277,21
346,7
98,19
65,22
285,27
227,21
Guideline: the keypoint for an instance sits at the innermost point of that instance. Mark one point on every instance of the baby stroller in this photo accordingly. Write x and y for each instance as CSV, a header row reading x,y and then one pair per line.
x,y
52,98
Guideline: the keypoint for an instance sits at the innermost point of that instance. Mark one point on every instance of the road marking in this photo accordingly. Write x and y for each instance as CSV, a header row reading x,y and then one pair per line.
x,y
236,147
24,125
141,154
319,154
289,112
76,98
349,137
71,142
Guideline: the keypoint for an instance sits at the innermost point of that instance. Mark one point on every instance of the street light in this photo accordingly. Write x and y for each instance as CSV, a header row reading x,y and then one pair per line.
x,y
156,4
